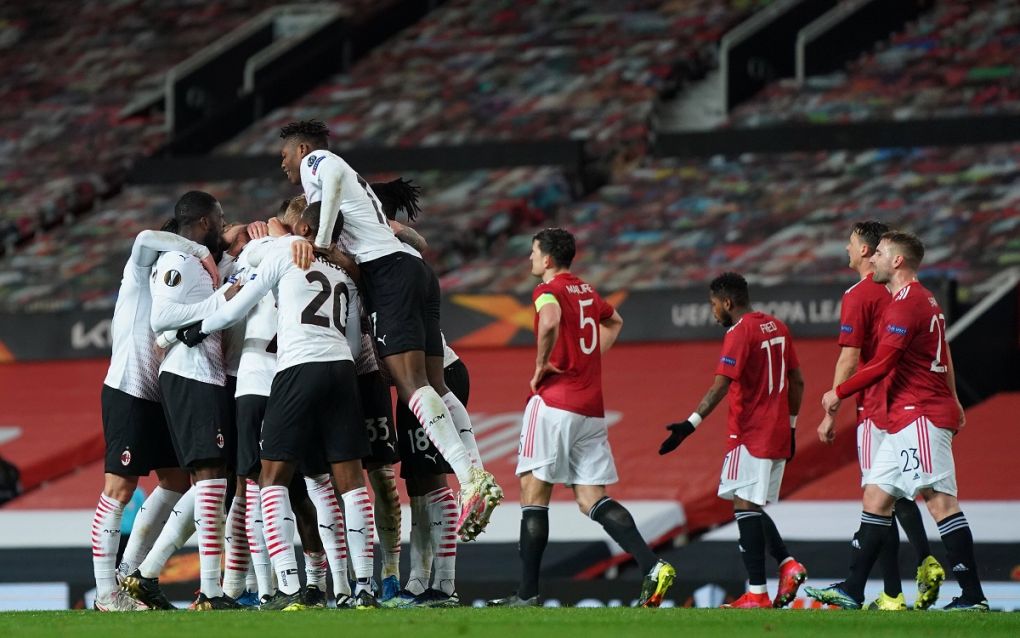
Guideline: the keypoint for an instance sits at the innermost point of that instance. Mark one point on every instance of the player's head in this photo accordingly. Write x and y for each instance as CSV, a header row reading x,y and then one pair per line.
x,y
551,249
306,222
398,195
899,251
864,238
291,209
235,238
299,139
728,292
199,217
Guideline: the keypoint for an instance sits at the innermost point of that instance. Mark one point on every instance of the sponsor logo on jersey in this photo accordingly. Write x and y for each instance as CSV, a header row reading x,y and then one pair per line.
x,y
172,278
847,328
896,330
730,361
125,457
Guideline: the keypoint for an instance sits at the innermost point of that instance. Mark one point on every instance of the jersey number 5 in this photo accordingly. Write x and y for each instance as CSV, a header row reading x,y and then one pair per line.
x,y
767,347
309,314
587,348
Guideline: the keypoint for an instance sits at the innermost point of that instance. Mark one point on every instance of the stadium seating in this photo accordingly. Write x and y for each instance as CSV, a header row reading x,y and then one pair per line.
x,y
511,70
959,59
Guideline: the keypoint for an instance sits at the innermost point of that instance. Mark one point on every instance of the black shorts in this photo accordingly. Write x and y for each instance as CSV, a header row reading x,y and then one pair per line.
x,y
199,419
251,409
314,415
229,390
137,437
402,295
418,455
377,410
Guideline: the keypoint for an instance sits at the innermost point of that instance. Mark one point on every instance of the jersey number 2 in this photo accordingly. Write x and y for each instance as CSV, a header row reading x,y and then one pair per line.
x,y
309,314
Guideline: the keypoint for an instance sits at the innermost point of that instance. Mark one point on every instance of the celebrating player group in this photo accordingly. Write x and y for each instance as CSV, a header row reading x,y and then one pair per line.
x,y
259,359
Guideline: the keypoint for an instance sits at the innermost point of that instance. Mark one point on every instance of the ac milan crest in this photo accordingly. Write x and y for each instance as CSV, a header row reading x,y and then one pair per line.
x,y
125,457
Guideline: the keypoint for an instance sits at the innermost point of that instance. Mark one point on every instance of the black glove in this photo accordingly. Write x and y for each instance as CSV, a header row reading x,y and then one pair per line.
x,y
678,432
793,444
191,335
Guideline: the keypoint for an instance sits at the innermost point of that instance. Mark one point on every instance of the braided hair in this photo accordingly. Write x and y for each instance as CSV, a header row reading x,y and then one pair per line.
x,y
398,194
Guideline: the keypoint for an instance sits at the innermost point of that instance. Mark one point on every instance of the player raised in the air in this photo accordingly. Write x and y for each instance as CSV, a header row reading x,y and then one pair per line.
x,y
564,436
759,370
859,332
923,414
403,299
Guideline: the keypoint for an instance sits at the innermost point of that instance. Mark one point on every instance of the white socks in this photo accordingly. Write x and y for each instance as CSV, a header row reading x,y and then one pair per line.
x,y
331,529
105,543
256,539
360,534
315,570
279,530
443,509
235,571
209,521
180,525
464,429
435,418
387,513
149,522
421,546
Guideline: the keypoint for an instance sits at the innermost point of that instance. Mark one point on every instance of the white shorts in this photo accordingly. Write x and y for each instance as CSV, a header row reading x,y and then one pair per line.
x,y
563,447
918,456
869,440
750,478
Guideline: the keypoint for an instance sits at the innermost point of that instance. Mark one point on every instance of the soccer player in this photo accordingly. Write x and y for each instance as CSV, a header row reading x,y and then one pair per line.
x,y
924,413
860,319
313,405
564,438
134,427
759,370
403,299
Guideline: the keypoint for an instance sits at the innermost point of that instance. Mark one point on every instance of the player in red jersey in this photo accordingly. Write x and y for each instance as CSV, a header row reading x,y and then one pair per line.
x,y
923,415
564,438
760,372
859,332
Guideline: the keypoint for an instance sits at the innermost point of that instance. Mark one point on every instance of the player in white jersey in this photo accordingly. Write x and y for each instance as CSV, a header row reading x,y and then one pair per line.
x,y
191,381
403,298
135,430
313,405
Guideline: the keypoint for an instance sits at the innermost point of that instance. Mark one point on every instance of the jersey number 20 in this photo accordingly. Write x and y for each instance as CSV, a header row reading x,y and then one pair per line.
x,y
309,314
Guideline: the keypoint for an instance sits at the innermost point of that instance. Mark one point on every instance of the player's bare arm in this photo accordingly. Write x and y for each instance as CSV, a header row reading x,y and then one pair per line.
x,y
884,362
609,330
680,431
846,365
548,331
951,381
795,397
338,257
409,236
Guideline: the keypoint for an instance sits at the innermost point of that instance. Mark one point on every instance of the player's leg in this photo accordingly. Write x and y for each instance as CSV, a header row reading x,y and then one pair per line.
x,y
534,537
254,523
143,583
314,537
437,379
360,518
930,574
329,524
238,552
117,492
153,515
792,572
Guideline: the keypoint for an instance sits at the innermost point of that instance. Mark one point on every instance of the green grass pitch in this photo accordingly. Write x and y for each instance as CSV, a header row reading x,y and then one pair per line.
x,y
497,623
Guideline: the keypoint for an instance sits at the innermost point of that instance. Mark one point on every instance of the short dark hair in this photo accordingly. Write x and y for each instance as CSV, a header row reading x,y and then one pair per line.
x,y
870,232
190,208
558,244
732,286
313,132
910,247
311,215
396,195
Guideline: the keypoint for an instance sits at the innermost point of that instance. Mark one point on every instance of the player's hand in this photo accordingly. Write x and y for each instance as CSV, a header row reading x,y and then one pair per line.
x,y
209,263
793,444
963,415
827,429
302,252
192,335
830,402
277,229
258,230
541,372
677,433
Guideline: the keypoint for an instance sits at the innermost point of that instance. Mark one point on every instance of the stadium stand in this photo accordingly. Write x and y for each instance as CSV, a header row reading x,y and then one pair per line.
x,y
959,59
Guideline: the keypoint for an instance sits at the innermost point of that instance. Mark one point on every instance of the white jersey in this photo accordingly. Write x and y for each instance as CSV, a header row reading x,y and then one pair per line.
x,y
317,309
233,340
366,362
329,179
134,364
183,293
257,365
449,356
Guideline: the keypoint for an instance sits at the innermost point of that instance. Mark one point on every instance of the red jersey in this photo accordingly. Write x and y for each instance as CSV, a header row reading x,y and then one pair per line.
x,y
757,355
577,349
860,317
918,386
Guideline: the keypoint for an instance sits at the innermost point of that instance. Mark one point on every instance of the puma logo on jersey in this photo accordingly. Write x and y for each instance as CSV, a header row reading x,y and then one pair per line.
x,y
431,457
389,444
381,339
